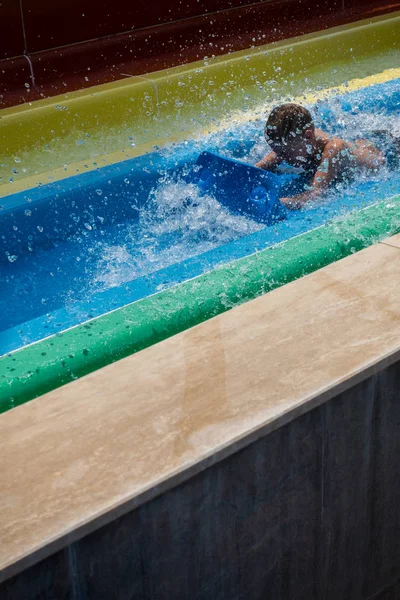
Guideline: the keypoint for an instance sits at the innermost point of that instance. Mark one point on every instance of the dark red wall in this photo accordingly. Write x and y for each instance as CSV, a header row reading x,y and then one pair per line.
x,y
70,44
51,23
11,31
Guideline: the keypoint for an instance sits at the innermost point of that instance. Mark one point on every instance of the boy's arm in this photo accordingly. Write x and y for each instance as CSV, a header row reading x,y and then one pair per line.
x,y
329,168
269,162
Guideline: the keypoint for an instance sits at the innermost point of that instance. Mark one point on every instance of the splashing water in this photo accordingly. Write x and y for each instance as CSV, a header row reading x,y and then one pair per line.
x,y
176,224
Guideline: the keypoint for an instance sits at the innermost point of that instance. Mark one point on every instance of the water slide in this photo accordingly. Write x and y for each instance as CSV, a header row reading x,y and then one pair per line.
x,y
107,245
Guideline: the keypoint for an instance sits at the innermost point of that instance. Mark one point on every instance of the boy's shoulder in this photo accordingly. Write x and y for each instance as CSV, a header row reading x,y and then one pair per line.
x,y
334,145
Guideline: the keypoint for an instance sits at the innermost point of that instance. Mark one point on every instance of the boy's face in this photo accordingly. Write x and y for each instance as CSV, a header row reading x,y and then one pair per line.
x,y
297,150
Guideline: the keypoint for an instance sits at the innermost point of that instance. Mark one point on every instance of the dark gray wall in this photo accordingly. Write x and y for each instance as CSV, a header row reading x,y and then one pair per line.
x,y
310,511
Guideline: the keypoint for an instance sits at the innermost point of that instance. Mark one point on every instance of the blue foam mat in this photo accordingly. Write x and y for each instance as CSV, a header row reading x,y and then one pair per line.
x,y
242,188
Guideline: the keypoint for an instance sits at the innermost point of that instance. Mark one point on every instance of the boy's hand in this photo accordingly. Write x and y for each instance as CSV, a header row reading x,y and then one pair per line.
x,y
269,162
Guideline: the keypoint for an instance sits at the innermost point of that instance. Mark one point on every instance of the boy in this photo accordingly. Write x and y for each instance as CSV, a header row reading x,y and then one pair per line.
x,y
291,134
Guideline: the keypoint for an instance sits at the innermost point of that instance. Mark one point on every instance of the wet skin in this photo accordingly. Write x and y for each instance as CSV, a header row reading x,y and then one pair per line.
x,y
326,160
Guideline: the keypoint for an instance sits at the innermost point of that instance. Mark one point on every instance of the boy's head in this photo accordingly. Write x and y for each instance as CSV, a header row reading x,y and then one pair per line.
x,y
290,132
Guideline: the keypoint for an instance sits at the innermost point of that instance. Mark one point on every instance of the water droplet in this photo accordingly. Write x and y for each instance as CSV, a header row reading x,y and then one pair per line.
x,y
12,258
28,212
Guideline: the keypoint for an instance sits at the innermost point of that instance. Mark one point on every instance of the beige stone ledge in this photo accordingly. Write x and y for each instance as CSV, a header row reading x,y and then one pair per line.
x,y
84,454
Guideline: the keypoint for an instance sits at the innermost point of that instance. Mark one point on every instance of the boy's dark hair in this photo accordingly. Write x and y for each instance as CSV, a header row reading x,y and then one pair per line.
x,y
287,120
